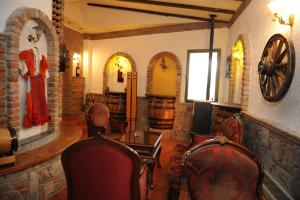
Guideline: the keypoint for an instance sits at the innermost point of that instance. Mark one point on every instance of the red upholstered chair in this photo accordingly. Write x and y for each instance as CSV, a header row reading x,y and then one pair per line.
x,y
98,121
231,127
220,169
100,168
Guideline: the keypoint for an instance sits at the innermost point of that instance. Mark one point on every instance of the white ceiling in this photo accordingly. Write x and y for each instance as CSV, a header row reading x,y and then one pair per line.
x,y
91,19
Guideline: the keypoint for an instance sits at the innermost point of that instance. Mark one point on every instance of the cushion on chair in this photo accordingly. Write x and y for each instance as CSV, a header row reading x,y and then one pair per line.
x,y
221,172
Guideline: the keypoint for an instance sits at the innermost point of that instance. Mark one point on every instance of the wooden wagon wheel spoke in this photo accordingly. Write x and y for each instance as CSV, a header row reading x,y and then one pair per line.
x,y
278,51
280,74
274,49
276,67
276,82
280,65
281,56
265,81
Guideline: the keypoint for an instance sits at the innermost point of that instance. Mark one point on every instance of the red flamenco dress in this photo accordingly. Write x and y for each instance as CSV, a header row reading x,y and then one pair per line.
x,y
34,70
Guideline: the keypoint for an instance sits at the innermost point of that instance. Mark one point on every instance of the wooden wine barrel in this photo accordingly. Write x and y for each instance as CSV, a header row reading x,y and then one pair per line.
x,y
161,111
8,141
116,103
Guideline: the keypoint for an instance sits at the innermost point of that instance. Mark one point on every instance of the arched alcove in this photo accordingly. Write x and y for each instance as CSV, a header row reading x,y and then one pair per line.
x,y
157,61
14,26
110,72
240,72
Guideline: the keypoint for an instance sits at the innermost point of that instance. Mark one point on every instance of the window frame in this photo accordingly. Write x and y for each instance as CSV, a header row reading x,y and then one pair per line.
x,y
187,73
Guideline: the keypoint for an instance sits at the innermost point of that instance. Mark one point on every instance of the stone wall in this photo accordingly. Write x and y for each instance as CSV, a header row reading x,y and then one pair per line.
x,y
35,183
74,43
183,118
77,94
280,154
3,116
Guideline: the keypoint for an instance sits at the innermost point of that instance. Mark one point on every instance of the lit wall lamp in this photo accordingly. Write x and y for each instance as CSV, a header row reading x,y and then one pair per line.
x,y
76,58
35,38
283,11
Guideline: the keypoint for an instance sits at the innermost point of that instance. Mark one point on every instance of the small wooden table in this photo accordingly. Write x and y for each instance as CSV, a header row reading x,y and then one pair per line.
x,y
147,144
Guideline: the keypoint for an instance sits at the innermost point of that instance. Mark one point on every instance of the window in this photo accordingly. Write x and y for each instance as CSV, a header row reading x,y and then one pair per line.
x,y
198,85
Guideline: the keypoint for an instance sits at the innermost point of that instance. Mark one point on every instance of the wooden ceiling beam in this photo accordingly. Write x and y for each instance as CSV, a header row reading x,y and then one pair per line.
x,y
152,12
153,30
185,6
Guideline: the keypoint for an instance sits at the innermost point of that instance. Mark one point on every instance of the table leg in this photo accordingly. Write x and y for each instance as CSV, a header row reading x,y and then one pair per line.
x,y
150,164
158,159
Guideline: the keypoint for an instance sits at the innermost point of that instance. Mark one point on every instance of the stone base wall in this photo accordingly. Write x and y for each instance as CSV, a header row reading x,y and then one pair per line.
x,y
182,124
183,118
280,154
38,182
3,114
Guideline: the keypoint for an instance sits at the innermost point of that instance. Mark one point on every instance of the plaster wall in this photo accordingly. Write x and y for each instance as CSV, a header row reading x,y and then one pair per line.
x,y
256,22
143,48
8,6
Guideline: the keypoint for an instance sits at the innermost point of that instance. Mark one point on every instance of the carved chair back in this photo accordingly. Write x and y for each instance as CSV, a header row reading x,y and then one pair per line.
x,y
223,169
99,168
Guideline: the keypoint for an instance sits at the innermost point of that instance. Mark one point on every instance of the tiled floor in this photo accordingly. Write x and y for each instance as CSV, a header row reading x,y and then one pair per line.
x,y
160,175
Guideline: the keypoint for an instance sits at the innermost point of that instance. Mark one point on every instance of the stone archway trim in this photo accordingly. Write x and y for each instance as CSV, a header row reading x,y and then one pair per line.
x,y
13,29
105,74
245,75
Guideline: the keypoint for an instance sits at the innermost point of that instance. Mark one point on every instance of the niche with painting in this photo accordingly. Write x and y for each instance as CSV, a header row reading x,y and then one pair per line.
x,y
115,72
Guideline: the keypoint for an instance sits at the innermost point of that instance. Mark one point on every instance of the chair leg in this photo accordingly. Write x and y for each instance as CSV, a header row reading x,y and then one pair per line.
x,y
170,193
173,194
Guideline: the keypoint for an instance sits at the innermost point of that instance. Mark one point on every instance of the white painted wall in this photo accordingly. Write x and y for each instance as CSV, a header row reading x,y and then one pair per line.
x,y
256,22
143,48
8,6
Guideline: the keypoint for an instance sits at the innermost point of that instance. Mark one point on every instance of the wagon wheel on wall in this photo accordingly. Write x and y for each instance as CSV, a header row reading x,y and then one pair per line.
x,y
276,67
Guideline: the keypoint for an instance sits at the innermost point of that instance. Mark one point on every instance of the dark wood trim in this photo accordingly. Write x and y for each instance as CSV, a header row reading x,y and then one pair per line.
x,y
211,47
152,12
184,6
241,9
153,30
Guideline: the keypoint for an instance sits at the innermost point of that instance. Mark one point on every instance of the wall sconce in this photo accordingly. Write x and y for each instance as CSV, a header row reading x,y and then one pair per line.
x,y
283,11
76,58
163,64
120,66
35,38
